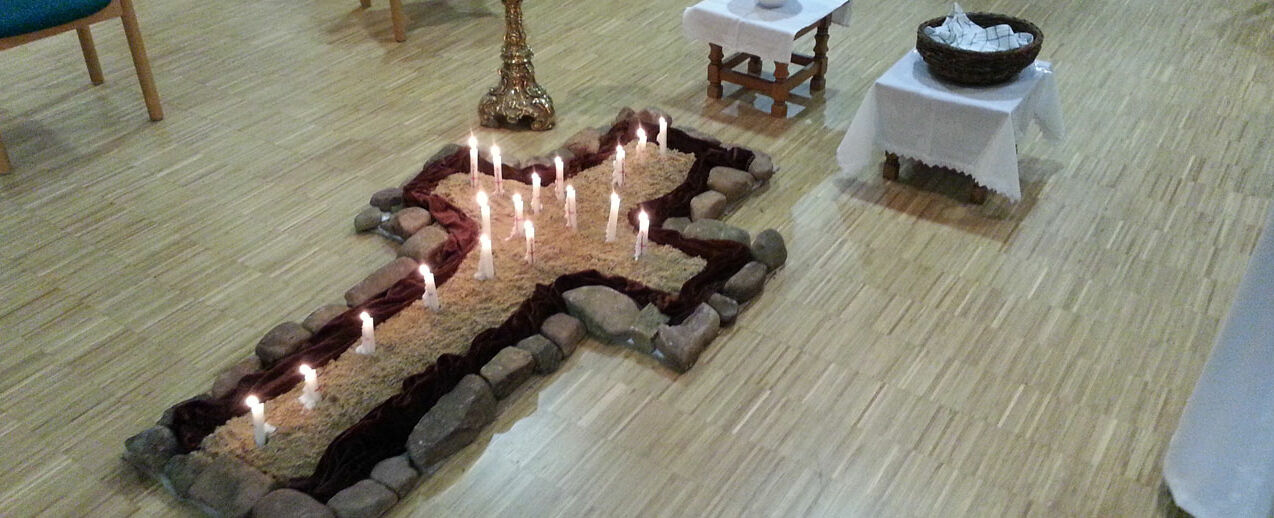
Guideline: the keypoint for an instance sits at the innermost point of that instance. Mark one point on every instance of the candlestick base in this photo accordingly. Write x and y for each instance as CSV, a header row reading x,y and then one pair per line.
x,y
518,101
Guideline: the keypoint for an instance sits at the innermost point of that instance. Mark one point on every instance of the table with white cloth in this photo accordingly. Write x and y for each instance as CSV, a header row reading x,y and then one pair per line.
x,y
758,33
973,130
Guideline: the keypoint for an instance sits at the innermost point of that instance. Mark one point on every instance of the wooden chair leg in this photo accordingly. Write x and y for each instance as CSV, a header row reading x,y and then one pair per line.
x,y
90,55
779,91
889,169
819,82
399,20
4,159
365,3
133,34
978,195
715,54
754,65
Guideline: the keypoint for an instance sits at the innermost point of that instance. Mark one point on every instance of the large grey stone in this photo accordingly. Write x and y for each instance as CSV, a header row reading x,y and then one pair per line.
x,y
406,222
281,341
585,142
368,219
762,166
422,244
733,183
182,470
625,114
229,379
696,134
508,370
725,307
547,356
380,280
321,316
682,344
166,419
230,487
444,152
365,499
151,449
642,332
290,503
678,224
452,423
564,330
397,474
715,229
746,283
707,205
650,115
387,199
769,249
606,313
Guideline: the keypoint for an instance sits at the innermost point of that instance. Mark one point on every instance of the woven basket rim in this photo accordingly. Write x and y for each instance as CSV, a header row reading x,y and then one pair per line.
x,y
1001,18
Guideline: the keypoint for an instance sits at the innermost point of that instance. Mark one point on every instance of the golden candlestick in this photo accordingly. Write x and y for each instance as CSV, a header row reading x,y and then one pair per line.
x,y
518,98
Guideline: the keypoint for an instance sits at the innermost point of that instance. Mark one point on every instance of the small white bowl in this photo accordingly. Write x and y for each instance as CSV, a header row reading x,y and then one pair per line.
x,y
771,4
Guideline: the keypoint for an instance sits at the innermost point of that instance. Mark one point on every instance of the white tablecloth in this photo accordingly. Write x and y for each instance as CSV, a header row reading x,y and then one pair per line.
x,y
972,130
743,26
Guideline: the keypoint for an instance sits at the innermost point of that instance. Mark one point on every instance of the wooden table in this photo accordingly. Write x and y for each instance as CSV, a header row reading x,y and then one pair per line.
x,y
813,68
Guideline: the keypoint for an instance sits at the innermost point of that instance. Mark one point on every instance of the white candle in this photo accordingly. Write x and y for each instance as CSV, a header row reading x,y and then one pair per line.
x,y
517,214
530,242
473,161
260,429
643,226
309,394
641,139
499,175
570,206
485,208
367,344
558,185
613,221
535,193
486,263
430,298
662,137
617,177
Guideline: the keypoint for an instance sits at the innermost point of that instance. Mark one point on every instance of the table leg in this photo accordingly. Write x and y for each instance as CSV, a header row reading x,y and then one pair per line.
x,y
978,195
754,65
820,56
778,91
889,169
714,71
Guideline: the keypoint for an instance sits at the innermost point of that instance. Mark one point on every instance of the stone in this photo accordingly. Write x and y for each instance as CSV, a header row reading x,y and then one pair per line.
x,y
290,503
446,151
387,199
769,249
396,474
229,379
707,205
508,370
650,115
678,224
733,183
762,167
585,142
642,332
725,307
625,114
281,341
696,134
424,243
365,499
368,219
715,229
230,487
321,316
682,344
182,470
150,450
406,222
453,422
547,356
746,283
607,314
380,280
563,330
166,419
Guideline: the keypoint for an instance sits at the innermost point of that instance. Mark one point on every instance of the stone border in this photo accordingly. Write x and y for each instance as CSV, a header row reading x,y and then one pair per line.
x,y
227,487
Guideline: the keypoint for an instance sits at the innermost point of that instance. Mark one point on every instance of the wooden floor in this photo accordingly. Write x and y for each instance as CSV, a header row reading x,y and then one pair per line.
x,y
918,356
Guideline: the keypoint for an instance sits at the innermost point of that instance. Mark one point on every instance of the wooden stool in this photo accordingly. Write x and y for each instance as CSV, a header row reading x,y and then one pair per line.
x,y
812,67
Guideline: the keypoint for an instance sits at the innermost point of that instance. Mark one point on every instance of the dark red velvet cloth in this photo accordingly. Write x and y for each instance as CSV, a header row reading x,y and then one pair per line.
x,y
383,432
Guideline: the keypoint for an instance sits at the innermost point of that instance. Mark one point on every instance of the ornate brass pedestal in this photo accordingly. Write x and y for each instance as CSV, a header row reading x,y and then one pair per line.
x,y
518,98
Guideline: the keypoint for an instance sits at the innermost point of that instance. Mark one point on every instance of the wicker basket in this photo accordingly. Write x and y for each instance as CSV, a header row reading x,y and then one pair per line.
x,y
967,67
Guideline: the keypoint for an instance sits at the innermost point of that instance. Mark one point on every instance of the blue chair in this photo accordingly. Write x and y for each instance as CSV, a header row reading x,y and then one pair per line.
x,y
24,21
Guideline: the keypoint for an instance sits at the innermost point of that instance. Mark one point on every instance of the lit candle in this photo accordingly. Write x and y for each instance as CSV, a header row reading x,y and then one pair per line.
x,y
570,206
486,263
641,139
260,429
517,214
530,242
473,161
613,221
558,185
499,175
662,137
535,193
643,226
367,344
309,394
430,298
485,208
617,177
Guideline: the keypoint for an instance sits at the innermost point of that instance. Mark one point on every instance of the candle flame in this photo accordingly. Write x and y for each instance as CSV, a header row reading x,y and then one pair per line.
x,y
643,219
570,190
495,150
619,151
482,198
641,133
485,241
365,317
424,270
517,198
530,229
252,401
473,141
306,371
557,160
535,178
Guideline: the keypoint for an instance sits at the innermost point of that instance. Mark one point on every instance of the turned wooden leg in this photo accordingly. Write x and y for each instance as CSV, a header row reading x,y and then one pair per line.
x,y
889,169
820,56
714,70
4,159
142,63
978,195
90,55
754,65
778,91
399,20
365,3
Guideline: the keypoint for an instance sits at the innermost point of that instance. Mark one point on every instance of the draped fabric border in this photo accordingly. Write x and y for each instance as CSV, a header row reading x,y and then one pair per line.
x,y
382,433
